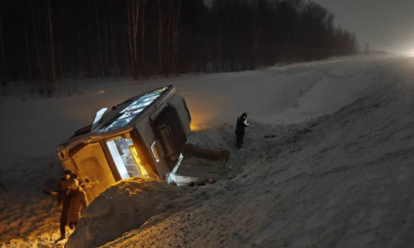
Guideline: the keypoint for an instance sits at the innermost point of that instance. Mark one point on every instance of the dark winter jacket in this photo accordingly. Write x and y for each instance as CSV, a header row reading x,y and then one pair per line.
x,y
65,201
63,188
242,122
78,203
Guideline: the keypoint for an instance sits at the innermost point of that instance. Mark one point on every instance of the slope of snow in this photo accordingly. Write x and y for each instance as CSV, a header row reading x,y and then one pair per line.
x,y
342,180
123,207
326,176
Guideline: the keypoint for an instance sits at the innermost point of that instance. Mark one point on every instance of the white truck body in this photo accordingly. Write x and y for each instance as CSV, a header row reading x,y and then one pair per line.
x,y
143,136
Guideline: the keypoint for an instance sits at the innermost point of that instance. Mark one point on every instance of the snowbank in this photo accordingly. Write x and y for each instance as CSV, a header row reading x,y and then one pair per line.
x,y
337,181
123,207
342,180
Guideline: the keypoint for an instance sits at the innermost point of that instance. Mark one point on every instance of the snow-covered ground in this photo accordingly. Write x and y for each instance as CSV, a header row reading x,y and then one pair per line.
x,y
326,162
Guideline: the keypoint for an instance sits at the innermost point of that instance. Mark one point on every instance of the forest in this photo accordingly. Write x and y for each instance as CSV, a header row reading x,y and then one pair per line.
x,y
46,42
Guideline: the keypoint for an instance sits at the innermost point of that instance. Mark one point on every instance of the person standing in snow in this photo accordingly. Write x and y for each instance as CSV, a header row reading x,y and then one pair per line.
x,y
62,188
242,122
63,185
64,198
78,203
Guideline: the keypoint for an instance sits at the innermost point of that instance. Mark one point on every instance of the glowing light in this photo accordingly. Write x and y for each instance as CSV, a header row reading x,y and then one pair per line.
x,y
134,153
196,127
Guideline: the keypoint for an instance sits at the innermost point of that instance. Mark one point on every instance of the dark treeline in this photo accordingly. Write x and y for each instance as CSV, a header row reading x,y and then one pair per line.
x,y
47,41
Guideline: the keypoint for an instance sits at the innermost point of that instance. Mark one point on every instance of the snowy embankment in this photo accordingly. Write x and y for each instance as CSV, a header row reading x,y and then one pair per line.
x,y
126,206
341,180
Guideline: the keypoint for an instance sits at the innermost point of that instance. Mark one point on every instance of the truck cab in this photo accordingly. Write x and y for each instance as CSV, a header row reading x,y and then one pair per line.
x,y
144,136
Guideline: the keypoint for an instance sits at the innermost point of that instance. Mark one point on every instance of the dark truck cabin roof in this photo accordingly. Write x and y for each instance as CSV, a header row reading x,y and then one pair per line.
x,y
122,114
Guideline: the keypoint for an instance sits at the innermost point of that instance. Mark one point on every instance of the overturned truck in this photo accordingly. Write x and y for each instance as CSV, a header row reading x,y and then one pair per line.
x,y
144,136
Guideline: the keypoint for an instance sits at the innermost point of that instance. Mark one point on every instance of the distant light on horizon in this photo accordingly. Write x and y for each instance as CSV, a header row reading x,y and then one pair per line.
x,y
384,25
410,53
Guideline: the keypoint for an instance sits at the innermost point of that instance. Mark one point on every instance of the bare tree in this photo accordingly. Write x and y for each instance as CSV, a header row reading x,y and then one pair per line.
x,y
101,65
257,30
160,37
80,48
169,20
3,54
143,42
29,67
115,67
39,64
107,27
175,24
91,55
130,44
133,18
62,77
52,80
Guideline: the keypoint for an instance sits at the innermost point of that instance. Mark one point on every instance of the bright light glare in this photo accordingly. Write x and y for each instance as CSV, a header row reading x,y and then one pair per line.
x,y
194,127
134,153
410,53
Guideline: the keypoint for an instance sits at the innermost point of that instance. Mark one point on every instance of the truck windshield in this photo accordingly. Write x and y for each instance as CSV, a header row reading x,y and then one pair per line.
x,y
126,157
135,108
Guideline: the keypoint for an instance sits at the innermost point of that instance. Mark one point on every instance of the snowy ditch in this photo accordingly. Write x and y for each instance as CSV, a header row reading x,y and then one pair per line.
x,y
123,207
340,180
332,181
138,203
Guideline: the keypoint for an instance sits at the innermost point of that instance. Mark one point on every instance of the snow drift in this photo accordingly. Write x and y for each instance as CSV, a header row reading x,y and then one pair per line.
x,y
123,207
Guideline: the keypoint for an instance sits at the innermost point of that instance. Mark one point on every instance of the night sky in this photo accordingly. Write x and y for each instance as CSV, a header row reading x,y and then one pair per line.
x,y
387,25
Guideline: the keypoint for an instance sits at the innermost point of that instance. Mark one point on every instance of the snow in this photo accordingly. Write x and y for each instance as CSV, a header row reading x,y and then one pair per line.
x,y
123,207
326,161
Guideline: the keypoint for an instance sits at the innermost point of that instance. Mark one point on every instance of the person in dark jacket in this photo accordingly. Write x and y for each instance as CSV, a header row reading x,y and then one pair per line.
x,y
65,202
242,122
78,203
63,196
63,185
